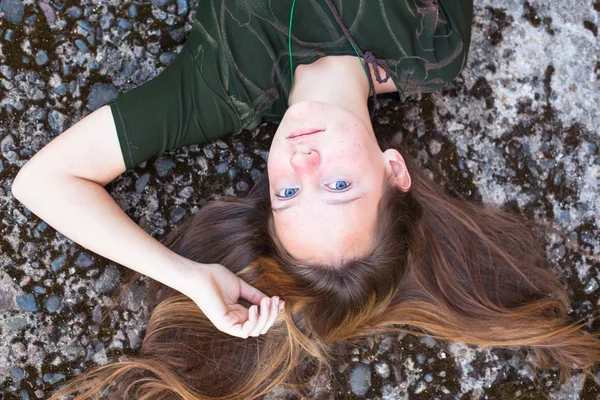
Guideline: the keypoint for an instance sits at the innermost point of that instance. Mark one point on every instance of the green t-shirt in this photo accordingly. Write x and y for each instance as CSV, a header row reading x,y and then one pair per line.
x,y
233,72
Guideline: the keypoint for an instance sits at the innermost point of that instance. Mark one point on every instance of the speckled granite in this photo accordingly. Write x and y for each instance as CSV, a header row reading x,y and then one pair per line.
x,y
518,128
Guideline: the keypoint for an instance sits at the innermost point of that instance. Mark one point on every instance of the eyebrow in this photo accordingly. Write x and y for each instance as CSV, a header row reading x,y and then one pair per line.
x,y
334,202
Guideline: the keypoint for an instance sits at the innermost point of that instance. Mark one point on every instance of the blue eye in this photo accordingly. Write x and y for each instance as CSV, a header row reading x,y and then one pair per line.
x,y
287,193
339,185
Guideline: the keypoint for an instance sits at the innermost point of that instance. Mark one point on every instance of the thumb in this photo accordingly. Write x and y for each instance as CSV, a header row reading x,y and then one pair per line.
x,y
250,293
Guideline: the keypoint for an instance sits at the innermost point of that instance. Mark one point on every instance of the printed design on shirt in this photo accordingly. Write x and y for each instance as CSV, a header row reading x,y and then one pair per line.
x,y
416,38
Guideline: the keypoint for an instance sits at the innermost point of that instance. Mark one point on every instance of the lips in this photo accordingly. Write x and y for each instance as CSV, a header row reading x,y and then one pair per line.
x,y
303,132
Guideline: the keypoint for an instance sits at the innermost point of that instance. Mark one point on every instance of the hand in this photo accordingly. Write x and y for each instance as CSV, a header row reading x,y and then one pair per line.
x,y
217,290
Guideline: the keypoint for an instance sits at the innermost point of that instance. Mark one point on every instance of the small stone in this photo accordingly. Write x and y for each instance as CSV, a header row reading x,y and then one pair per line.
x,y
100,94
244,162
382,369
58,121
29,250
53,378
73,12
107,20
9,35
24,395
52,303
232,173
163,166
242,186
141,183
124,24
82,46
428,378
39,289
182,7
108,281
84,261
222,167
160,3
7,71
13,10
85,25
132,11
58,263
435,147
41,58
360,379
17,373
6,301
133,297
18,217
27,302
177,214
421,359
427,341
208,153
7,144
592,286
255,174
48,12
167,58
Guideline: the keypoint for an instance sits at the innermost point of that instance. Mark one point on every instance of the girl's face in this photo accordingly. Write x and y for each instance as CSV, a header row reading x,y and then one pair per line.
x,y
326,177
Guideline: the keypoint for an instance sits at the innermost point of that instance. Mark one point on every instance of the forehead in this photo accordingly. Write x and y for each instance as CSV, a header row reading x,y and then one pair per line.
x,y
313,231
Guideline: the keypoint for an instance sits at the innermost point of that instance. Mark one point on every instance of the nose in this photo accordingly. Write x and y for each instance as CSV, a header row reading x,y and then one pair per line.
x,y
305,161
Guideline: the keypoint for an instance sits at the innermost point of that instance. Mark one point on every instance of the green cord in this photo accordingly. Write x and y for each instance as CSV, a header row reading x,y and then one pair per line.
x,y
290,48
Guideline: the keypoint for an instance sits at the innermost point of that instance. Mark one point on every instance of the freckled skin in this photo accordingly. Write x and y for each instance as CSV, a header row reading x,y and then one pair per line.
x,y
346,150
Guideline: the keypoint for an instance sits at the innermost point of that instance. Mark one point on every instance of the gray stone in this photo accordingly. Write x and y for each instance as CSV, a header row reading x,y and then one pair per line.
x,y
222,167
107,20
245,162
41,58
53,378
58,121
17,373
58,263
160,3
421,358
177,214
48,12
73,12
7,71
85,25
132,11
182,7
100,94
163,166
427,341
124,24
27,302
39,290
360,379
167,58
7,301
428,378
84,261
13,10
18,217
7,144
9,35
82,46
141,183
133,297
52,303
232,173
108,281
1,166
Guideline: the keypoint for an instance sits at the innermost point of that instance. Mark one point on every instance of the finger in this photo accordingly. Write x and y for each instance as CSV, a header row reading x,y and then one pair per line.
x,y
251,323
250,293
264,316
273,312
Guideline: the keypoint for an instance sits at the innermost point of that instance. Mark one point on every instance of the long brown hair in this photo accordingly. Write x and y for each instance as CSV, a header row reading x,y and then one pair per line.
x,y
440,266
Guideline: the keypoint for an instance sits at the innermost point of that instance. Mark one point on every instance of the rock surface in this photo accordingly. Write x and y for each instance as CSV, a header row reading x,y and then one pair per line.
x,y
518,128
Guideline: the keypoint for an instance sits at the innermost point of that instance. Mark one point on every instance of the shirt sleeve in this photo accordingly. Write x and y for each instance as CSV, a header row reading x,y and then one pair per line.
x,y
178,107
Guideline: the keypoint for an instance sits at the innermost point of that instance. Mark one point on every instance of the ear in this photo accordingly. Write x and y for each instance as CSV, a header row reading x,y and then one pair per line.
x,y
396,166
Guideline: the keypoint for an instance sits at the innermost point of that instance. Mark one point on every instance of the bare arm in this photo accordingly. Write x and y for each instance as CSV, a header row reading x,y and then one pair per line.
x,y
63,185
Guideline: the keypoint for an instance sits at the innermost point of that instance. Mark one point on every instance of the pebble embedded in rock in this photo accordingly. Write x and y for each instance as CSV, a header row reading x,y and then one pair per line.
x,y
41,58
182,7
17,373
85,25
74,12
428,378
13,10
132,11
382,369
57,121
82,46
124,24
53,378
108,280
141,183
58,263
27,302
245,162
52,303
107,20
100,94
167,58
160,3
177,214
48,12
84,261
163,166
232,173
360,379
222,167
427,341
